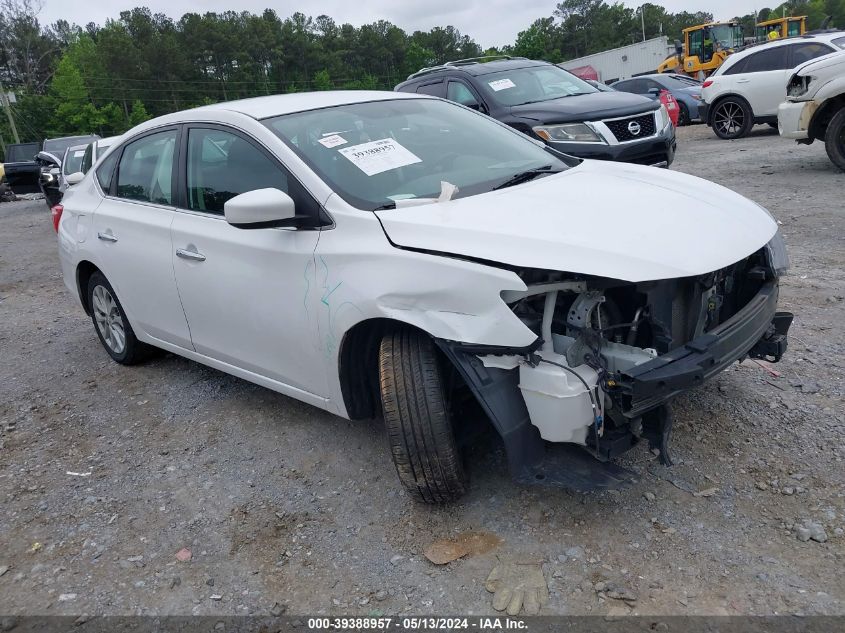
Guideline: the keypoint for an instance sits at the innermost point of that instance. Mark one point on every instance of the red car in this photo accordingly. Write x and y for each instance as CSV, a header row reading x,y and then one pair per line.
x,y
671,104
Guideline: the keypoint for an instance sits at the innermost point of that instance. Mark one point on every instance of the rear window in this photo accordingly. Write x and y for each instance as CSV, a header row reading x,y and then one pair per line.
x,y
21,153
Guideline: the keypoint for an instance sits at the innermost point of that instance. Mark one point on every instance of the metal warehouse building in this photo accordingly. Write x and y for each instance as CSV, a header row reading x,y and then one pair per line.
x,y
625,61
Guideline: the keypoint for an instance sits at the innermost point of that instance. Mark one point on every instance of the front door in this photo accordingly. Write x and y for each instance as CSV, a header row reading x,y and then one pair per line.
x,y
245,291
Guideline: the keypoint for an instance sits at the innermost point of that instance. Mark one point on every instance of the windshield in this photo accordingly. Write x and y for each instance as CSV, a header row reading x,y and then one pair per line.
x,y
73,160
533,84
21,153
373,154
726,36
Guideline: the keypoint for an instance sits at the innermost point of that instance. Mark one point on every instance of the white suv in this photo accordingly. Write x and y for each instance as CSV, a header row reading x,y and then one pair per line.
x,y
396,255
750,85
815,106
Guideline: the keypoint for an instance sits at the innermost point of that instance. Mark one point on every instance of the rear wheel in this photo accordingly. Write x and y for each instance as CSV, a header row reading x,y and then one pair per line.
x,y
732,118
111,324
834,139
416,414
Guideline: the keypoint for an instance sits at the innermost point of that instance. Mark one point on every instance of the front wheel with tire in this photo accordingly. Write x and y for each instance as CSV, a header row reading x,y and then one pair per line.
x,y
732,118
683,114
416,413
111,324
834,139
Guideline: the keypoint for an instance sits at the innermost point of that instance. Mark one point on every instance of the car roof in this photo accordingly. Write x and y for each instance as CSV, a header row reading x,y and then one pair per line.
x,y
108,141
475,68
277,105
821,37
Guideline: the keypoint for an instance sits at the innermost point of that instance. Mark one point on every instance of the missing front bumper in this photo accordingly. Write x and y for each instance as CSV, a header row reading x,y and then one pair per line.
x,y
756,330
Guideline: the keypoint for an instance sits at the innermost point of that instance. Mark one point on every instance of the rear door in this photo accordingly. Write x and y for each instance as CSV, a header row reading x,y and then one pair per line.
x,y
132,229
763,79
245,291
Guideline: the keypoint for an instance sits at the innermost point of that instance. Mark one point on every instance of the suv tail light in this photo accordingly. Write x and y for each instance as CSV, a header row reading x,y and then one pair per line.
x,y
56,214
707,83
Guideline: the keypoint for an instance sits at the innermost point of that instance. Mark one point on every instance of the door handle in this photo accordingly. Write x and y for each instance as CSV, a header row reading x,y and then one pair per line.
x,y
192,255
742,81
106,237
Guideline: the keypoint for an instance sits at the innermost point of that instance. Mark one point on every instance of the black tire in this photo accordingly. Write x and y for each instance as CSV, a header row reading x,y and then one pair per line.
x,y
683,114
132,351
834,139
732,118
417,417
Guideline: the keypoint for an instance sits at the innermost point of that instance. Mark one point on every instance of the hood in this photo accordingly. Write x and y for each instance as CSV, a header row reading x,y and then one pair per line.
x,y
605,219
821,63
593,107
49,158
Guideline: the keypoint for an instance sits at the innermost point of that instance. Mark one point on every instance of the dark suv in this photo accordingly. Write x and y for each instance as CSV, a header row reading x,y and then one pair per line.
x,y
551,104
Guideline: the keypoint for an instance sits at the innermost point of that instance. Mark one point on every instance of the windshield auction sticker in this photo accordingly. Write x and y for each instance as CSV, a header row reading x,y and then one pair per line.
x,y
332,141
501,84
379,156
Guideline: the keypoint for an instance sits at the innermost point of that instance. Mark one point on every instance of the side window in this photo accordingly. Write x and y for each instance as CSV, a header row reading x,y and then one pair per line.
x,y
86,159
623,86
435,89
459,93
737,68
222,165
106,171
650,84
145,171
808,50
775,58
696,43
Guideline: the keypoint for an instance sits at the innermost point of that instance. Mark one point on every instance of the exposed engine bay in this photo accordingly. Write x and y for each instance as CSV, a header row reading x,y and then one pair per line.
x,y
611,354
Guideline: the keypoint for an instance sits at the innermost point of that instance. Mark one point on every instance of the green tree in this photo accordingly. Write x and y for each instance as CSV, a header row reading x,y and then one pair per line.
x,y
322,81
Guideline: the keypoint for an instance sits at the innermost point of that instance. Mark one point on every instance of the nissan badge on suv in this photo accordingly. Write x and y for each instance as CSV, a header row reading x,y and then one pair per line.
x,y
551,104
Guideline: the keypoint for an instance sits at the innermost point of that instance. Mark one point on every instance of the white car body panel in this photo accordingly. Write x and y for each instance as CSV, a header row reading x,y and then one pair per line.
x,y
257,319
764,91
827,81
273,306
551,223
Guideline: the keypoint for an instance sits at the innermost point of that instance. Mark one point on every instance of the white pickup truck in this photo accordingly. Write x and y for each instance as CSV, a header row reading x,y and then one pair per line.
x,y
815,105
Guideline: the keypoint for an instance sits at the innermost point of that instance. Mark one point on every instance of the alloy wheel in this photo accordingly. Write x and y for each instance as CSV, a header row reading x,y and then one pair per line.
x,y
109,320
729,118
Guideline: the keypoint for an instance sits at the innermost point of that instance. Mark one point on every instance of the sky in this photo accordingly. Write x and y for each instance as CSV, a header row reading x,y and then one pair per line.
x,y
488,22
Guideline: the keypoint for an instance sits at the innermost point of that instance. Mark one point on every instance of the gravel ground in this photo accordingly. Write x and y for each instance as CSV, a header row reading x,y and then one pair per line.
x,y
283,506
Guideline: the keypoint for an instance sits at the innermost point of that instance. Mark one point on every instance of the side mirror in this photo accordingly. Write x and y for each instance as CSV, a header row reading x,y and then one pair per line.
x,y
262,209
654,92
74,178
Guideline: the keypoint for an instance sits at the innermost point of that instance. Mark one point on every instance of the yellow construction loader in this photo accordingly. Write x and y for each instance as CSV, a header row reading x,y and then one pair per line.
x,y
792,26
703,49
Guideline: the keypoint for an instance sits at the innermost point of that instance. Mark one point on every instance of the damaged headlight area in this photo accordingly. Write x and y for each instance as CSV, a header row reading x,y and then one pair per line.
x,y
777,256
798,86
611,354
568,133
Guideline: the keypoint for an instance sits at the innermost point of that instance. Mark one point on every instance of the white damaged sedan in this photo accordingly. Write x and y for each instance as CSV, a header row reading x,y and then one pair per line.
x,y
396,255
